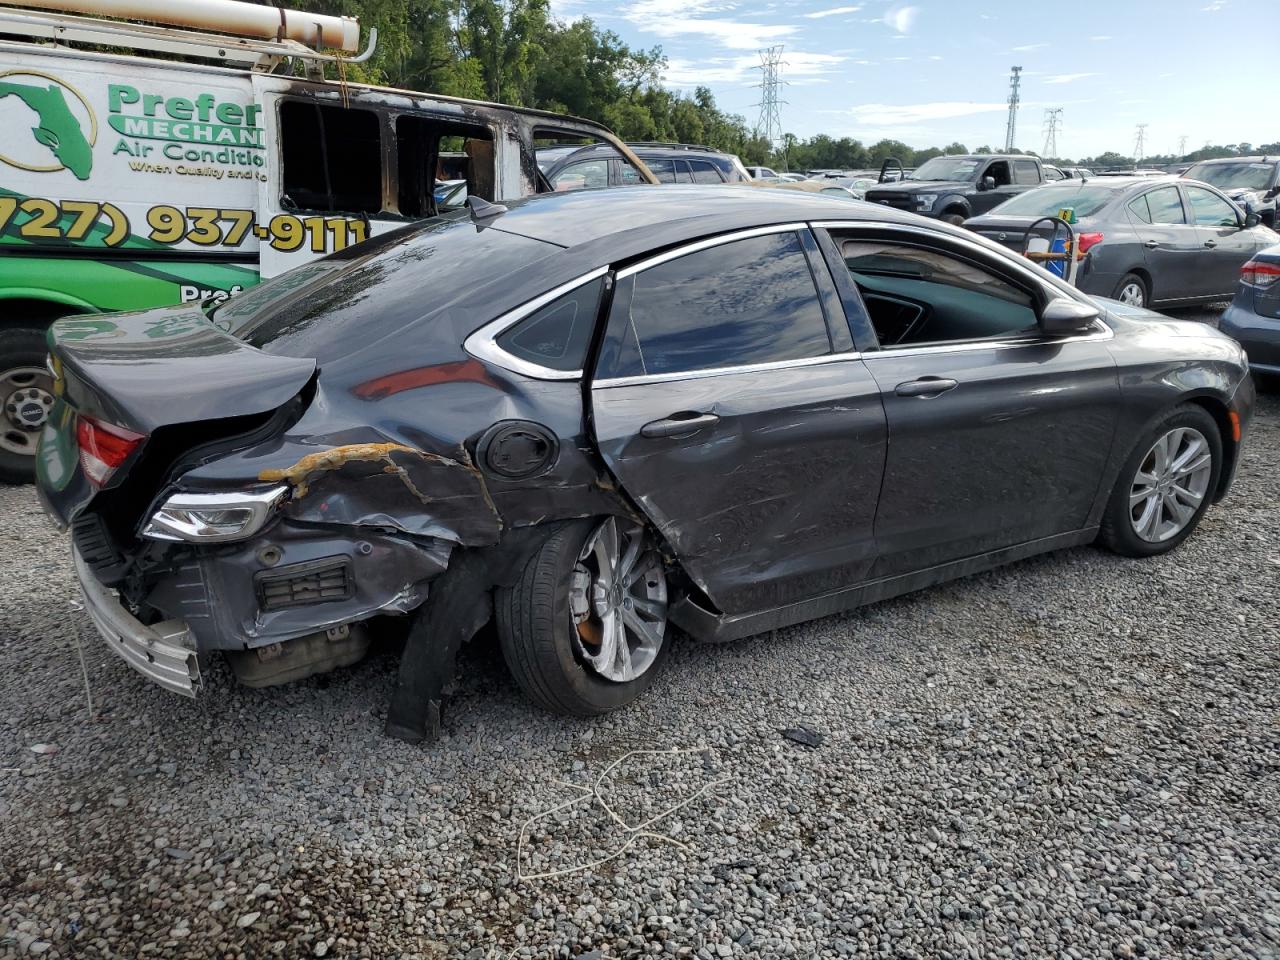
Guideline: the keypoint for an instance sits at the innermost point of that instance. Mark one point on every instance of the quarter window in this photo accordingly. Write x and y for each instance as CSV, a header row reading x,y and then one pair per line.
x,y
1210,210
744,302
558,334
918,295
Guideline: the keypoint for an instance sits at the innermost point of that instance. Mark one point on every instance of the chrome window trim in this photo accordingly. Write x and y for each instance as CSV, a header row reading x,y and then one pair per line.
x,y
724,371
482,343
707,243
1102,330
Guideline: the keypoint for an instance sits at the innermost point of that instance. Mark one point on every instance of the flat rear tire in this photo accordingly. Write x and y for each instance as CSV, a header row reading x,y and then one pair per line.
x,y
26,396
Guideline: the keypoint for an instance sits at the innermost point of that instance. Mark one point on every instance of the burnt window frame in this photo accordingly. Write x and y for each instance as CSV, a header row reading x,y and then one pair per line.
x,y
389,145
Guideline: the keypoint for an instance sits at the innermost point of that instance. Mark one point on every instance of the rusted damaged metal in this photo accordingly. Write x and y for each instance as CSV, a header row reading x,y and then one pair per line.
x,y
335,458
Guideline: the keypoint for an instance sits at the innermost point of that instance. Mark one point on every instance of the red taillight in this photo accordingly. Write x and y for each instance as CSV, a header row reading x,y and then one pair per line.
x,y
1085,241
1260,274
103,447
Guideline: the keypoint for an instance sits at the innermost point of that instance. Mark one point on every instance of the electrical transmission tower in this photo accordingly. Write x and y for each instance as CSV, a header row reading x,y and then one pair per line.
x,y
770,123
1052,124
1010,133
1139,145
1182,145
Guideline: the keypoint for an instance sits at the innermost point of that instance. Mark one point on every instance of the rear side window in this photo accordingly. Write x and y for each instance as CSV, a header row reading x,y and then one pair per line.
x,y
1165,206
557,335
664,170
582,175
331,158
744,302
1024,171
704,172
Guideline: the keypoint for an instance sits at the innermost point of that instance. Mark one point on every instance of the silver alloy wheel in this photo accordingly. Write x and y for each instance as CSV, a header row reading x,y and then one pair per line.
x,y
1170,484
618,599
1133,294
26,395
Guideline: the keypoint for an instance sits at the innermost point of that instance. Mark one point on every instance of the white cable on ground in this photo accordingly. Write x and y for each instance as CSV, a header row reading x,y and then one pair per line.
x,y
593,793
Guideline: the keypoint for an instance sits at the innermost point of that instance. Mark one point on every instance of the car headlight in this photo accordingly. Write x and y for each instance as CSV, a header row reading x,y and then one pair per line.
x,y
212,517
926,202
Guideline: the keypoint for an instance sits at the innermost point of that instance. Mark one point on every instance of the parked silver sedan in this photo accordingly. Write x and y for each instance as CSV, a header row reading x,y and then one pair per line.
x,y
1146,242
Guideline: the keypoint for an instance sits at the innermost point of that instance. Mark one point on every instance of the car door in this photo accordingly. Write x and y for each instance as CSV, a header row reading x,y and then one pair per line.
x,y
1171,247
983,200
997,435
735,413
1226,243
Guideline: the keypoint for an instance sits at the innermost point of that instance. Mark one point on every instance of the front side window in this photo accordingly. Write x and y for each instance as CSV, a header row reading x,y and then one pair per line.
x,y
1210,210
557,335
582,175
999,171
918,295
743,302
1024,171
331,158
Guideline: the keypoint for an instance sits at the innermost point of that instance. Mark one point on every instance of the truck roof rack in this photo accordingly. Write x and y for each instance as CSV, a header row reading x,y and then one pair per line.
x,y
261,55
670,146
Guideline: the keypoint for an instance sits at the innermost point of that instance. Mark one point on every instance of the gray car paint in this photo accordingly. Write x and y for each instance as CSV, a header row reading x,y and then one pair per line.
x,y
1174,258
1253,318
776,517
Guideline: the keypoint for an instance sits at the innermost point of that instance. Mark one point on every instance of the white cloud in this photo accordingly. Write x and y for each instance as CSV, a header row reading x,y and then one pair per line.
x,y
883,114
1068,77
801,68
900,19
833,12
1100,38
1215,6
678,18
1028,47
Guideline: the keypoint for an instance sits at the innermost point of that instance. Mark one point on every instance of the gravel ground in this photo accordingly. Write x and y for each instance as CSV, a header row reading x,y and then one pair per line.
x,y
1075,756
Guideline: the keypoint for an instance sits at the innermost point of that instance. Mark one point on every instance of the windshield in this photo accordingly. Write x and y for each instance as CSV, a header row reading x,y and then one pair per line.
x,y
946,168
1085,200
1249,176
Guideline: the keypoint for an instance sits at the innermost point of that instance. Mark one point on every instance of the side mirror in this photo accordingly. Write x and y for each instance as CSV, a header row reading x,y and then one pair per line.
x,y
1062,317
987,183
1251,219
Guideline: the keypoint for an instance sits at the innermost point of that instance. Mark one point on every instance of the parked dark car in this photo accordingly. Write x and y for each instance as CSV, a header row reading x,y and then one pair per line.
x,y
1145,241
611,411
1253,316
1252,182
598,165
955,188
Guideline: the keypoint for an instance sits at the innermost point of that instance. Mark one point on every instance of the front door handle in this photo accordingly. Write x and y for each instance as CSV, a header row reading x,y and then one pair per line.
x,y
1151,244
925,387
1211,244
679,425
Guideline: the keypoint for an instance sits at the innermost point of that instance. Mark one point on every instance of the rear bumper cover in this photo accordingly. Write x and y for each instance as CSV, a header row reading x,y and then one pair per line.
x,y
163,652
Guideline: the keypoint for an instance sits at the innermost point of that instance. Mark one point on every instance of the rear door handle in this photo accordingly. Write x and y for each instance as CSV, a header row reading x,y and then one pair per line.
x,y
1151,244
679,425
1211,243
925,387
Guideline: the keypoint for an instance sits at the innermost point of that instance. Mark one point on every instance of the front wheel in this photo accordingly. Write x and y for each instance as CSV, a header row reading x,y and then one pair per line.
x,y
26,396
584,629
1165,486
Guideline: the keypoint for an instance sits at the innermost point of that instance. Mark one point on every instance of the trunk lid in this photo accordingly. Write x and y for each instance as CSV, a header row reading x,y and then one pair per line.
x,y
1011,231
149,373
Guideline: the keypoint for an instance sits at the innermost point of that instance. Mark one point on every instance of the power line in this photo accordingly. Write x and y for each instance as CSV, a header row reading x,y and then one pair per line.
x,y
1139,144
1052,124
770,123
1182,145
1010,133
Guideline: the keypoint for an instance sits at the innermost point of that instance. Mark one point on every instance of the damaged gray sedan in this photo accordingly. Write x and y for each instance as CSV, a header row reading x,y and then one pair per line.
x,y
593,416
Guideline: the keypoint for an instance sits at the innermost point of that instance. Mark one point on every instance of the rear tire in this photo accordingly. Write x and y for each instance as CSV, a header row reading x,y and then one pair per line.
x,y
546,645
1159,498
26,395
955,219
1133,290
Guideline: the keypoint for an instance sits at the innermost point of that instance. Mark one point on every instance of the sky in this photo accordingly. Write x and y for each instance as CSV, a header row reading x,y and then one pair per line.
x,y
931,72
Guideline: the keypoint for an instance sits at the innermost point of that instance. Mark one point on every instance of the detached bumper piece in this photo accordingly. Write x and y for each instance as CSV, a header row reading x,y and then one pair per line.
x,y
162,652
